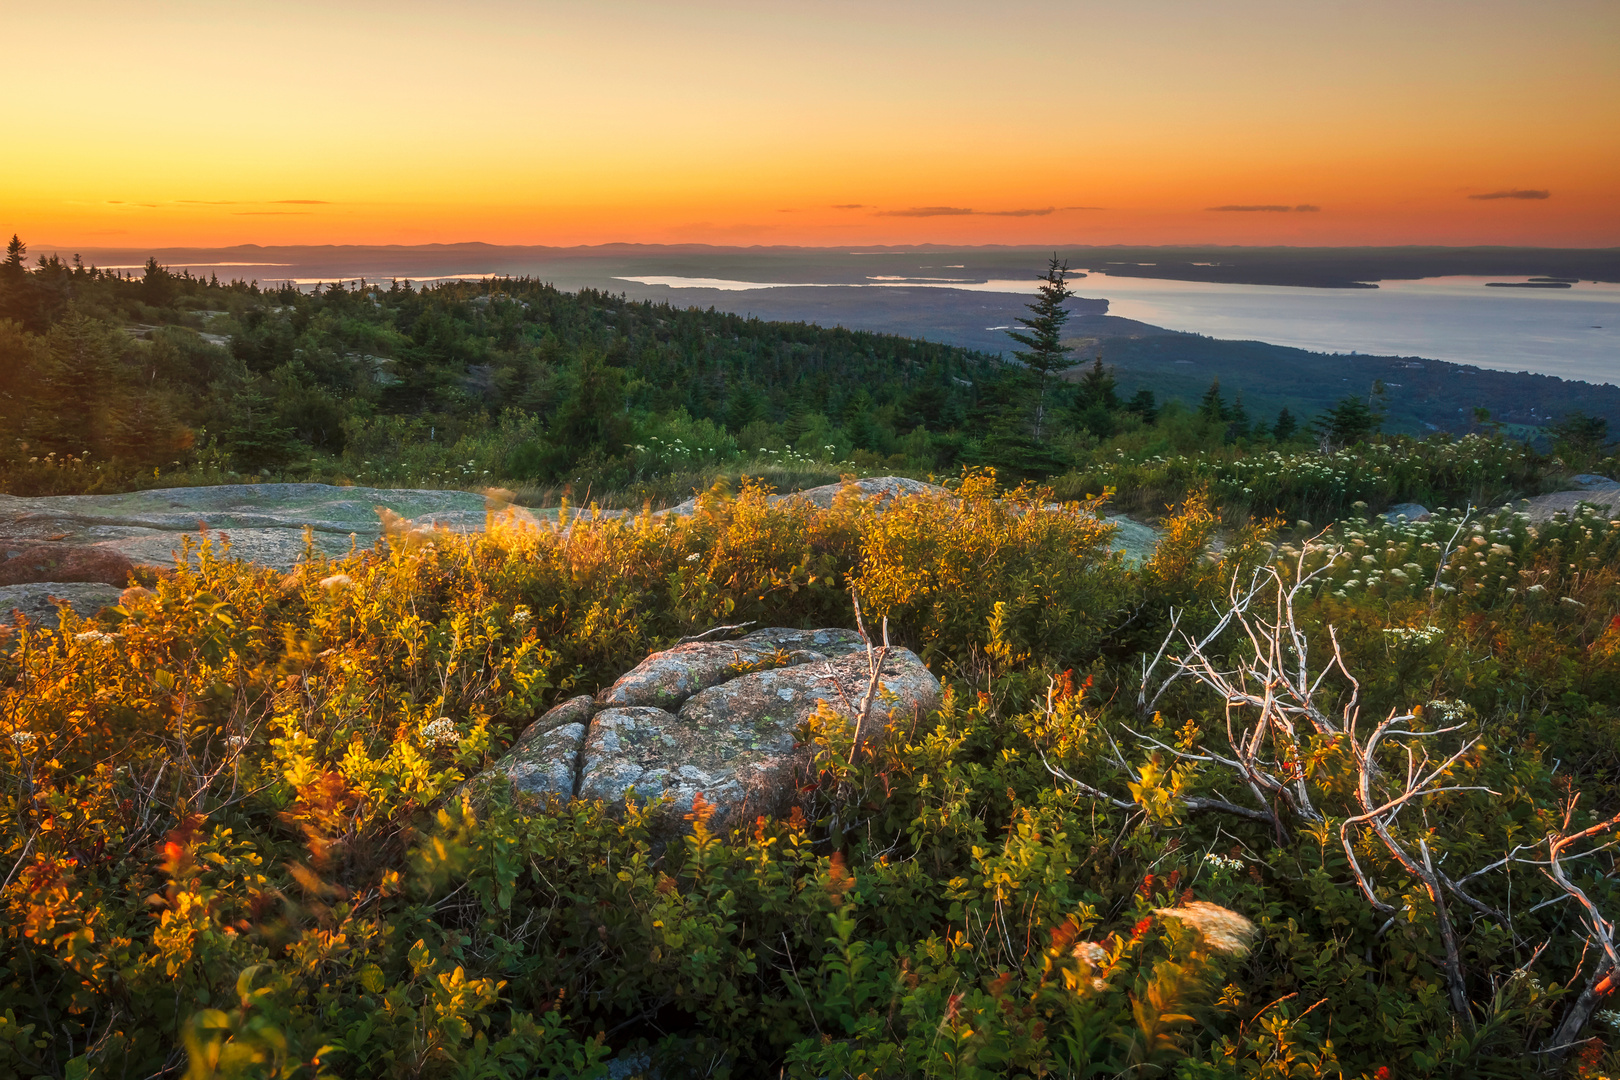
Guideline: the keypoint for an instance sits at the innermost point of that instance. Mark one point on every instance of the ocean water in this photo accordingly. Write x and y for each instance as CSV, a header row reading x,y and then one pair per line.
x,y
1571,333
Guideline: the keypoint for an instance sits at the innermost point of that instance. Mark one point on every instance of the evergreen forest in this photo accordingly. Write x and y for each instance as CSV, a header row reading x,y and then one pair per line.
x,y
112,381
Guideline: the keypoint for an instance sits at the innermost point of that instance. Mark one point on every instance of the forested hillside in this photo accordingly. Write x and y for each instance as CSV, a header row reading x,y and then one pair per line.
x,y
112,381
175,373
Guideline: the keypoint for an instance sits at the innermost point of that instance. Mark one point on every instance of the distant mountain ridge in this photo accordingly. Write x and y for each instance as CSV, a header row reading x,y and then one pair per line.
x,y
1300,267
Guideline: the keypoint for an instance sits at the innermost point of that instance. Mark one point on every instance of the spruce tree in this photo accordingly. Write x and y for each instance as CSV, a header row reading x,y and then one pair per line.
x,y
15,263
1097,387
1144,404
1238,428
1348,422
1579,437
1044,351
1285,427
1096,401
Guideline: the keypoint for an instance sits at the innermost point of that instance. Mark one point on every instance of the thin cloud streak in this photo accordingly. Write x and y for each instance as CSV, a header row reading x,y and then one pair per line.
x,y
1021,213
1267,208
927,211
1516,193
964,211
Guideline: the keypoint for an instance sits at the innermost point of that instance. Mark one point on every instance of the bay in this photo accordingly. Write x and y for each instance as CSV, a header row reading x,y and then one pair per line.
x,y
1571,333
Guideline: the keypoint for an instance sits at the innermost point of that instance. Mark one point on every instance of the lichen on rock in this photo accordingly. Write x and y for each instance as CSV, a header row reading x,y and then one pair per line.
x,y
719,718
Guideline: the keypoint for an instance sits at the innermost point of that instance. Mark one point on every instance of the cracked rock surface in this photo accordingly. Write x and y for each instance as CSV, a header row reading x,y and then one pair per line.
x,y
716,717
265,522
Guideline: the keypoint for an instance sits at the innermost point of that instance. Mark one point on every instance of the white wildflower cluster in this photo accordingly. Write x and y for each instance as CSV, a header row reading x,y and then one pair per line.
x,y
1525,976
23,740
1446,710
236,743
1609,1018
336,582
1381,471
1224,929
521,614
1223,863
93,637
658,455
1415,635
441,734
794,459
693,557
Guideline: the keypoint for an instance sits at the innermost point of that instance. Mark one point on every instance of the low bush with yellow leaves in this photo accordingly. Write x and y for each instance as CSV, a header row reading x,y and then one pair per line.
x,y
235,841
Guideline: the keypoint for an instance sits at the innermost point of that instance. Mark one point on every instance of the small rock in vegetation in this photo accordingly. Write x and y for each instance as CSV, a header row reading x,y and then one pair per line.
x,y
38,602
1408,511
23,563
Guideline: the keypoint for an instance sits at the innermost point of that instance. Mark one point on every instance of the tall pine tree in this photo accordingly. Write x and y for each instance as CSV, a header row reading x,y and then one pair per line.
x,y
1044,352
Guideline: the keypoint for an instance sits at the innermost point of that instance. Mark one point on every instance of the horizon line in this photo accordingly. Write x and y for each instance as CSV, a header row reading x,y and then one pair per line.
x,y
57,249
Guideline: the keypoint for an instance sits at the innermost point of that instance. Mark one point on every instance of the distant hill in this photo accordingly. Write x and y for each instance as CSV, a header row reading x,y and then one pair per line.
x,y
1423,395
601,264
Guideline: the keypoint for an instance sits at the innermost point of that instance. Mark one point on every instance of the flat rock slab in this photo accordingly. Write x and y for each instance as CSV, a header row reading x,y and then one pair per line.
x,y
1544,507
265,523
1133,539
691,719
38,601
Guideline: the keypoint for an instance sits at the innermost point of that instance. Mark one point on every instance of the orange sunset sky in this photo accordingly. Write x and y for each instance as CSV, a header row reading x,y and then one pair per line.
x,y
816,123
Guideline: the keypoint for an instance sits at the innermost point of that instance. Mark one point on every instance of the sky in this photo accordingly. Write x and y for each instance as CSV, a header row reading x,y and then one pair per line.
x,y
827,123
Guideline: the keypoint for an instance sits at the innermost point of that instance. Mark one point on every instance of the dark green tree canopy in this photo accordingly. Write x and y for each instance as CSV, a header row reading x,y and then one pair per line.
x,y
1580,437
1350,421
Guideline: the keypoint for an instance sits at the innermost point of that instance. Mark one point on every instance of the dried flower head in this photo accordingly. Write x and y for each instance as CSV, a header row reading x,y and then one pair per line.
x,y
441,734
1091,952
1224,929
